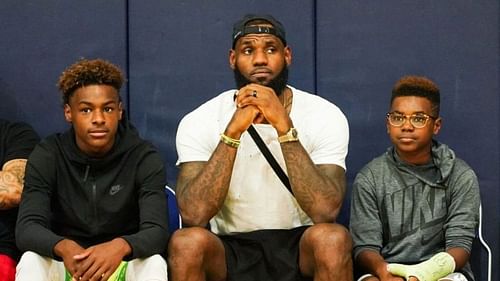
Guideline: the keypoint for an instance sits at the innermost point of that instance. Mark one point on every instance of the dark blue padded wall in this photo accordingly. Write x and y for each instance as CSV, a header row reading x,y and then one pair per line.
x,y
365,47
40,39
350,52
179,58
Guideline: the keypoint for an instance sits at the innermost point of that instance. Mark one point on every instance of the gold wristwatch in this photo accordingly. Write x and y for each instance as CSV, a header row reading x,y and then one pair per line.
x,y
291,135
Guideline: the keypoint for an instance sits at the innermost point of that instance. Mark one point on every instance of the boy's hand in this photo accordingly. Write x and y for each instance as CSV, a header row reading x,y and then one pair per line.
x,y
439,265
67,249
100,261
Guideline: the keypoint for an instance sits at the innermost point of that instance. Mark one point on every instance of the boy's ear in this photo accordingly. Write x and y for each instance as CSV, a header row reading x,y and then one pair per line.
x,y
437,126
288,56
67,113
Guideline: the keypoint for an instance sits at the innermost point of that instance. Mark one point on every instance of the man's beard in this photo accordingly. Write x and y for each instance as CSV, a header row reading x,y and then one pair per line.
x,y
278,84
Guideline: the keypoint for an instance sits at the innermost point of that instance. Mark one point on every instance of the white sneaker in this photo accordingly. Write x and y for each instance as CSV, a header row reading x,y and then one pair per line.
x,y
456,276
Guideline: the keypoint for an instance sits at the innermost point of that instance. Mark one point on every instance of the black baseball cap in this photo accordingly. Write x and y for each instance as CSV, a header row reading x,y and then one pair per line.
x,y
240,28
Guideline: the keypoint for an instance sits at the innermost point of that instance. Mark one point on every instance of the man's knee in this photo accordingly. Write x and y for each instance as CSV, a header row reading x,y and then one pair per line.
x,y
328,236
189,241
196,252
325,252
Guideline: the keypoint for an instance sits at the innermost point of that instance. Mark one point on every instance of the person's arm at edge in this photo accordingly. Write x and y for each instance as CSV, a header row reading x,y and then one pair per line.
x,y
20,139
11,183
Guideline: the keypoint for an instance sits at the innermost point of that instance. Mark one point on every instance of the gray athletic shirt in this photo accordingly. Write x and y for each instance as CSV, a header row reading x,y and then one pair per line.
x,y
409,213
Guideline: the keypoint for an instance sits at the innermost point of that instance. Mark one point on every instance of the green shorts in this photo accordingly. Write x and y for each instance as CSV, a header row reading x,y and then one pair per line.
x,y
118,275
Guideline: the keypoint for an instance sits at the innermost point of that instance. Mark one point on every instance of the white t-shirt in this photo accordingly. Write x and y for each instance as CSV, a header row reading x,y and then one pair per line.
x,y
257,199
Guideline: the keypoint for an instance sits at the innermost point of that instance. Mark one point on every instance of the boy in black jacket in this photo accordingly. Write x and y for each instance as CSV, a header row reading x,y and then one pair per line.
x,y
94,195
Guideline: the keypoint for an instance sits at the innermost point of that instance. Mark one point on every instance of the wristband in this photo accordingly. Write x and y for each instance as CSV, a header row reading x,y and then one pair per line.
x,y
229,141
291,135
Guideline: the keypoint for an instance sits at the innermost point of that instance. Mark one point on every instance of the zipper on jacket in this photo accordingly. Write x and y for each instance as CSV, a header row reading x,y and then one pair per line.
x,y
86,173
94,201
94,196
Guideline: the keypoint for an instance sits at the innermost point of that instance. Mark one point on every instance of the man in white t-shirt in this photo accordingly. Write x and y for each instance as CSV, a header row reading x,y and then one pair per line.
x,y
260,230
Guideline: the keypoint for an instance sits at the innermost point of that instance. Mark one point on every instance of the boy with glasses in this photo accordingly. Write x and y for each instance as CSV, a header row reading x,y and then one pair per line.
x,y
415,208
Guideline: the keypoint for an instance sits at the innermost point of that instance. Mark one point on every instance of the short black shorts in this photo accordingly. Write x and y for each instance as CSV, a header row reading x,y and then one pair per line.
x,y
264,255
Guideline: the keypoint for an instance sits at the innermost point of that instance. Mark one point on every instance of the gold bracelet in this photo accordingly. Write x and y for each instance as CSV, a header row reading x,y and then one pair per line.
x,y
229,141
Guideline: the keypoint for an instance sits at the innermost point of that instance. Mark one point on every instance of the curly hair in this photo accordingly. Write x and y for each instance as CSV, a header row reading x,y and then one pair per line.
x,y
419,86
89,72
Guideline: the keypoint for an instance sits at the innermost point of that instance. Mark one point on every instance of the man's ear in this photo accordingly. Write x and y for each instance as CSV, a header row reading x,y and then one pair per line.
x,y
288,56
67,113
232,59
120,110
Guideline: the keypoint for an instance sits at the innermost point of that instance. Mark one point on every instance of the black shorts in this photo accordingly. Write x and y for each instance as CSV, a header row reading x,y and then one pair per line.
x,y
264,255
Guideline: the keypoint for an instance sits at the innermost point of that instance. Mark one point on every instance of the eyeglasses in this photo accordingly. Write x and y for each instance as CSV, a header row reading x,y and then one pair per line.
x,y
417,120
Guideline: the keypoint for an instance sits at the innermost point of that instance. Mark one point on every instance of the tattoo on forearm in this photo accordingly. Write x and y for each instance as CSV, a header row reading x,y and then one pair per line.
x,y
206,183
16,167
11,183
312,184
